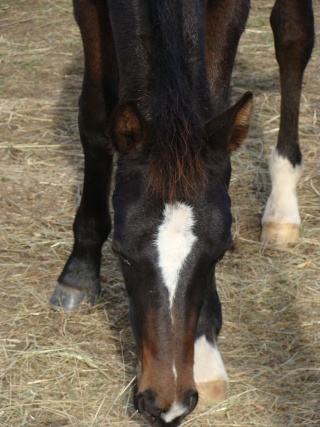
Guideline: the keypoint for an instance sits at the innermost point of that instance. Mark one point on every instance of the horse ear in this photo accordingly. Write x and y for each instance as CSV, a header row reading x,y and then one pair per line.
x,y
231,127
127,128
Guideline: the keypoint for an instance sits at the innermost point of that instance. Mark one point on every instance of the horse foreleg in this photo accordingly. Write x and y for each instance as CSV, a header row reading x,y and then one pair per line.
x,y
292,25
79,281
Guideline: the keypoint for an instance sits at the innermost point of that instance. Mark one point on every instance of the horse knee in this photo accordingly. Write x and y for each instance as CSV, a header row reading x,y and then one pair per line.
x,y
94,132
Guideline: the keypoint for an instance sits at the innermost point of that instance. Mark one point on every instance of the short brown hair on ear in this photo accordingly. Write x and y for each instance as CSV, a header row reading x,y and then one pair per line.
x,y
127,128
230,128
242,111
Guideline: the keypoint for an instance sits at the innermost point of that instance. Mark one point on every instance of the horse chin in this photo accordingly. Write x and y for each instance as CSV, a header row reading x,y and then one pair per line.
x,y
158,422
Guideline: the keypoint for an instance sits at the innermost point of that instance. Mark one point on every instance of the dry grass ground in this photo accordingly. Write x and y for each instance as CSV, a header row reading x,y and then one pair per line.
x,y
62,371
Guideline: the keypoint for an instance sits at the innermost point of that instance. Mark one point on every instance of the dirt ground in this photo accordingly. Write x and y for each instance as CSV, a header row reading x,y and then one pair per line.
x,y
77,371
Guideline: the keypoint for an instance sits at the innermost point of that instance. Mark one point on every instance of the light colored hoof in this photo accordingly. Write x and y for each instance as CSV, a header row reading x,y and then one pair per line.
x,y
280,234
212,391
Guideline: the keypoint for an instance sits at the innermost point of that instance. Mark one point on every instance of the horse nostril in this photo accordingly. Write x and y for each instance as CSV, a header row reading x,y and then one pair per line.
x,y
145,404
191,400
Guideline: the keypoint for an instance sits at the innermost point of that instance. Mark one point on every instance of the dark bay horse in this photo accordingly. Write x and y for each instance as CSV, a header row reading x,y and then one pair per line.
x,y
155,91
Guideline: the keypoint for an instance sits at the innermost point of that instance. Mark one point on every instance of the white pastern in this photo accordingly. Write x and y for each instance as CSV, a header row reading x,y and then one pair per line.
x,y
208,365
282,205
174,412
174,242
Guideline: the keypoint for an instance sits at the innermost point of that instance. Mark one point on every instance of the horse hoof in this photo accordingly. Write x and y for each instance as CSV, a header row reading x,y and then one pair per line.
x,y
212,391
70,299
280,234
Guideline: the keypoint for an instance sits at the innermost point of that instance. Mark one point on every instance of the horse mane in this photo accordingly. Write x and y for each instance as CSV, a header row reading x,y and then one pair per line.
x,y
176,165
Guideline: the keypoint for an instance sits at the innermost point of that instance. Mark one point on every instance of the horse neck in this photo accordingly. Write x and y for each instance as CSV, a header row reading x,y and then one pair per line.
x,y
161,50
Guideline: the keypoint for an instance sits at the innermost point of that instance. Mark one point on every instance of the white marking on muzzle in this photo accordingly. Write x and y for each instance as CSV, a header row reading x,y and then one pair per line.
x,y
175,411
174,242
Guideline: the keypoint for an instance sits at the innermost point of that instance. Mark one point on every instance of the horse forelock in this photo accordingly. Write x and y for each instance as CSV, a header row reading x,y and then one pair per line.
x,y
176,168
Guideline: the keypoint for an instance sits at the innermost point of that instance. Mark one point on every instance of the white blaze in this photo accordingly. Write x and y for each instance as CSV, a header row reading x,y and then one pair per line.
x,y
174,242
